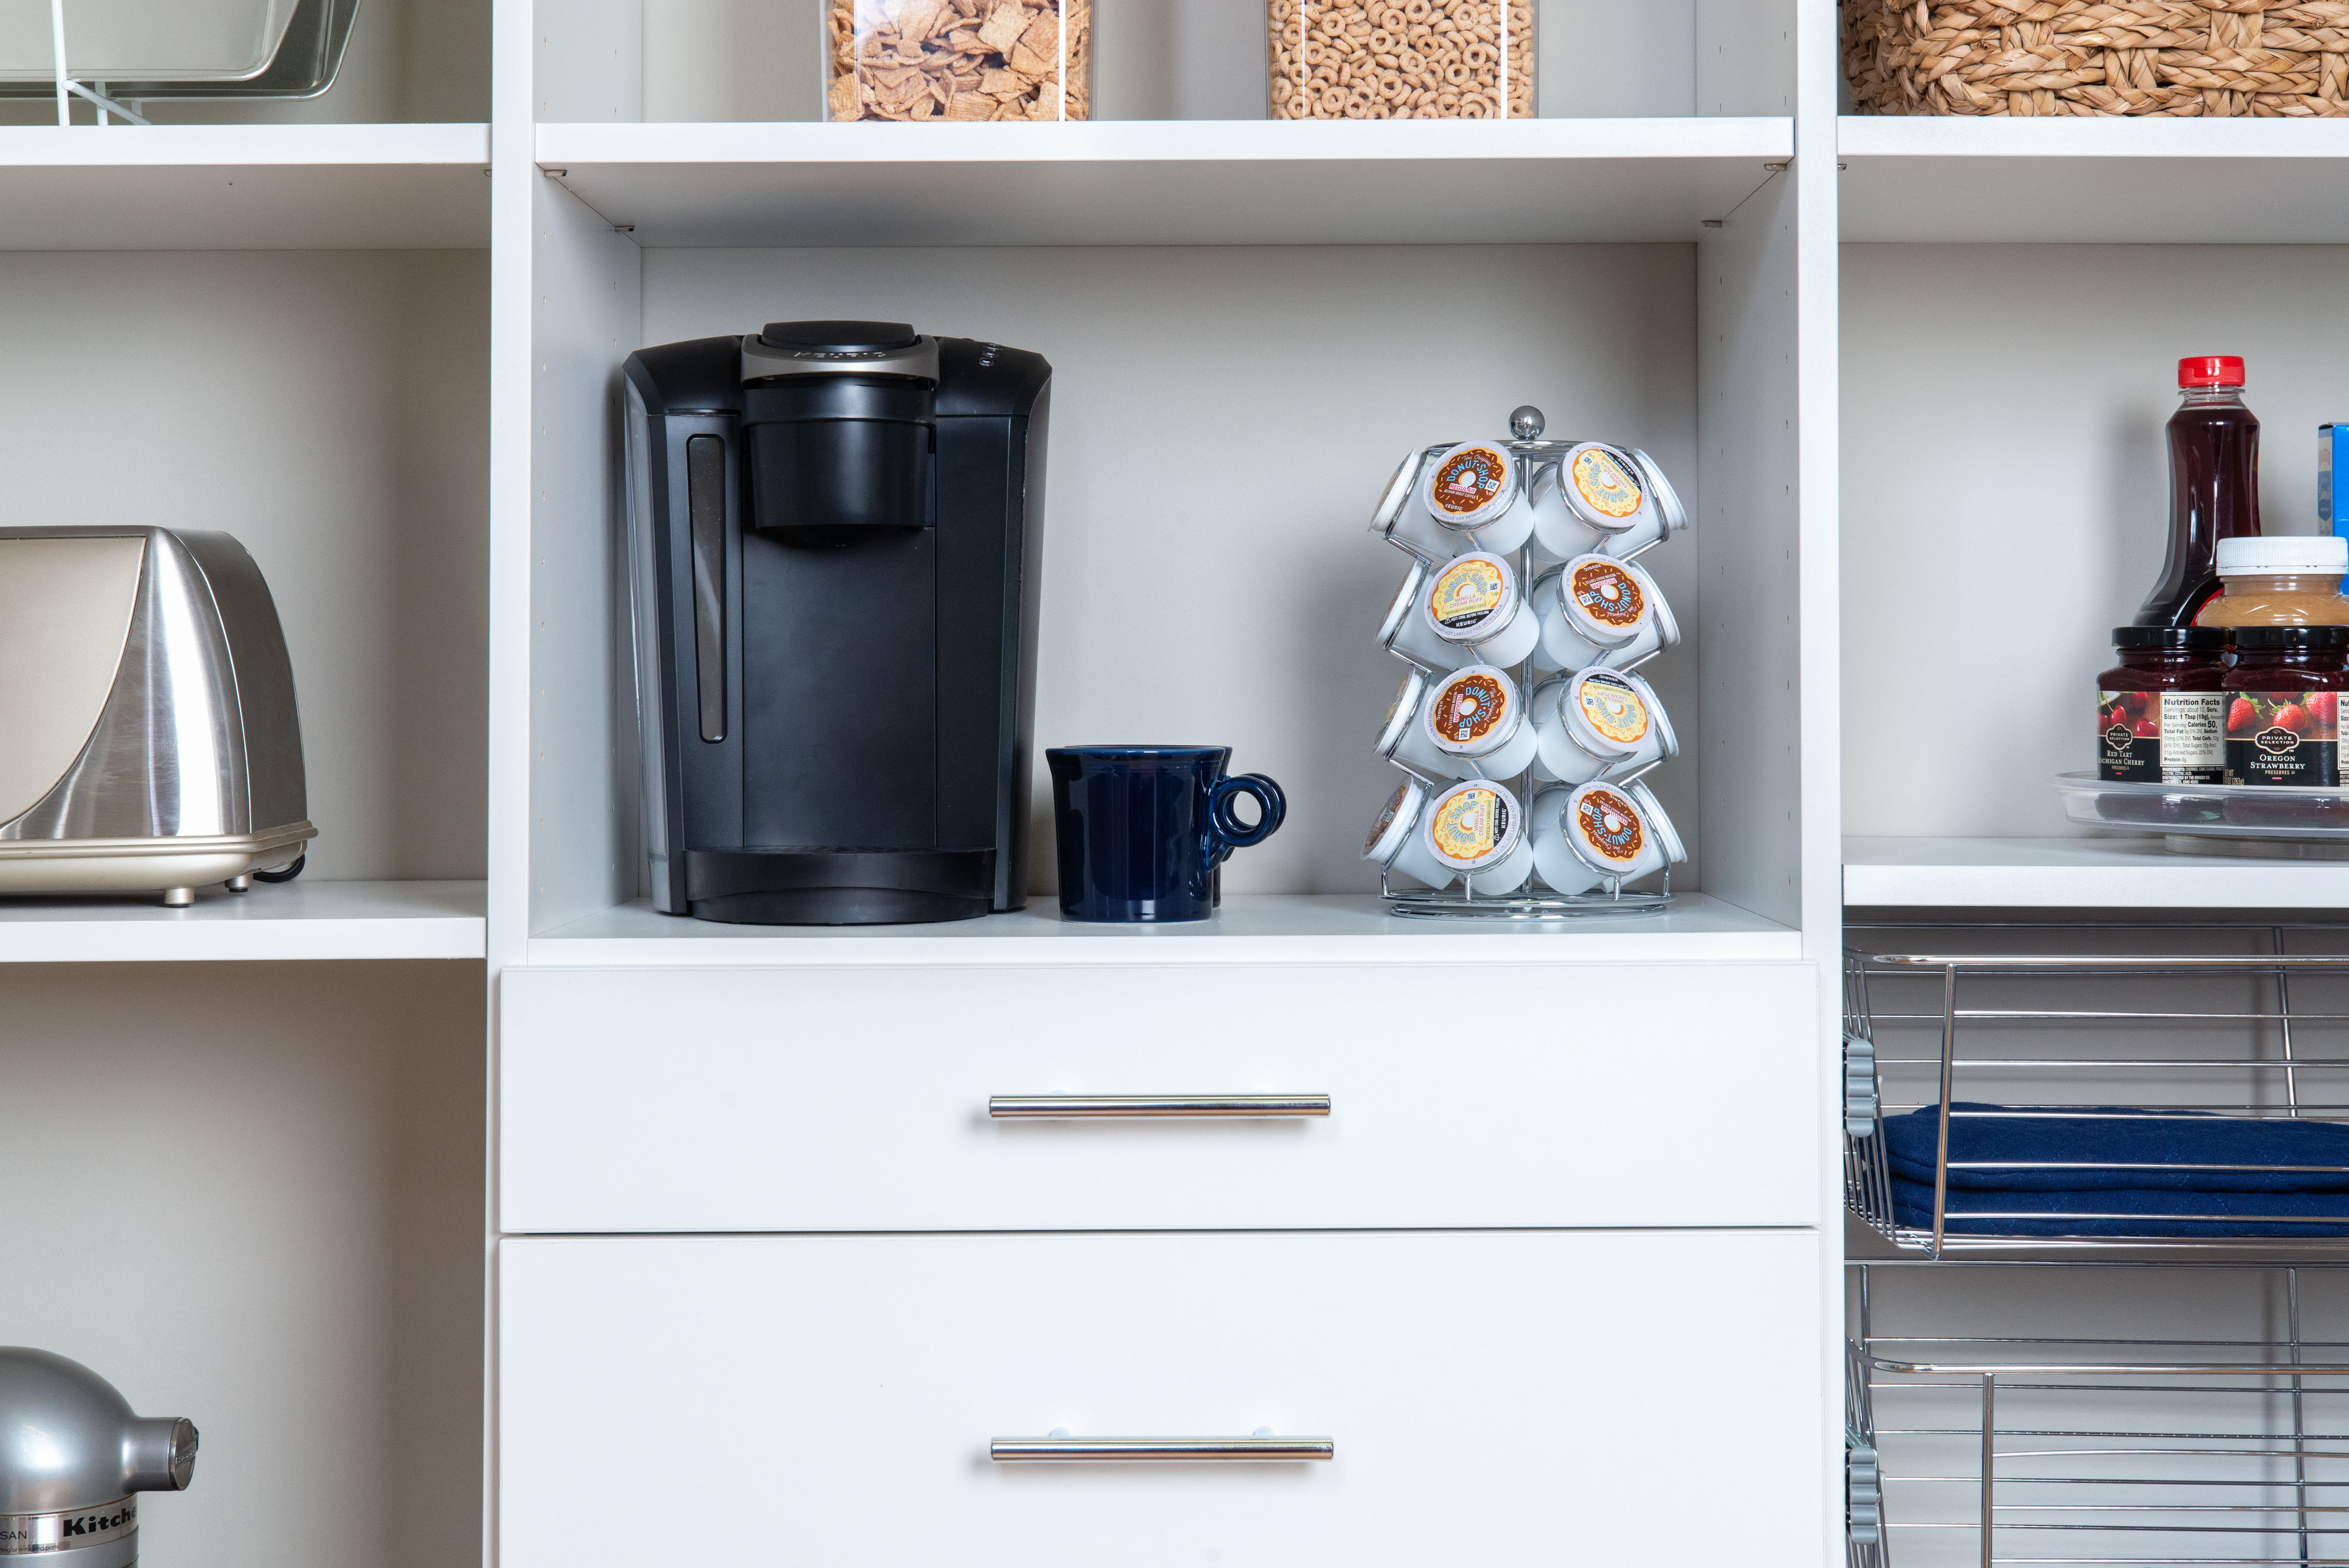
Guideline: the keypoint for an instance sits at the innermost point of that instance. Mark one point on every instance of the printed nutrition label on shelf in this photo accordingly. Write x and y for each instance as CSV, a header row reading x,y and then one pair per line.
x,y
2162,737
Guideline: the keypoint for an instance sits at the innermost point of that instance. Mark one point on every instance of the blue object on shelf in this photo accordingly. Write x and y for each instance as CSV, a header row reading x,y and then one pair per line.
x,y
2065,1167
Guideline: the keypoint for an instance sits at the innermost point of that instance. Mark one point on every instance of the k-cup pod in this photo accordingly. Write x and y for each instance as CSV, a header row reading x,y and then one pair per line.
x,y
1403,522
1476,609
1405,632
1403,739
1395,843
1477,831
1597,610
1601,500
1598,724
1474,725
1471,491
1587,836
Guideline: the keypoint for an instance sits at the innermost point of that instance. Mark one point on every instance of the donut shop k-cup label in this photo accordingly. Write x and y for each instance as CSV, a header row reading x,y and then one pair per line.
x,y
1468,708
2162,737
2289,738
1466,593
1611,826
38,1534
1470,825
1385,818
1610,705
1402,695
1605,484
1607,594
1468,479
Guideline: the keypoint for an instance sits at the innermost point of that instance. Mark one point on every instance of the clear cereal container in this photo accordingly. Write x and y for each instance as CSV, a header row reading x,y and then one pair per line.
x,y
957,59
1409,59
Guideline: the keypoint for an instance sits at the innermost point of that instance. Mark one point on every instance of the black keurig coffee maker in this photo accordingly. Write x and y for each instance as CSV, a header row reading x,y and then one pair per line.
x,y
833,531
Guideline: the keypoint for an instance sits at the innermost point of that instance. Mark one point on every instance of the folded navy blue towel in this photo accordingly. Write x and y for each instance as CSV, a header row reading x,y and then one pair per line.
x,y
2146,1202
2134,1212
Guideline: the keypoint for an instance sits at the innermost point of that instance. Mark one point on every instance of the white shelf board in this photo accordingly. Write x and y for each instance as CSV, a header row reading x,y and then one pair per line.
x,y
298,919
1142,182
2130,872
1254,928
1994,178
244,187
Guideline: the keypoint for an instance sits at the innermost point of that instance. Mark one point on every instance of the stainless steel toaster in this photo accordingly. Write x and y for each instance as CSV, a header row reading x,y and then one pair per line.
x,y
147,736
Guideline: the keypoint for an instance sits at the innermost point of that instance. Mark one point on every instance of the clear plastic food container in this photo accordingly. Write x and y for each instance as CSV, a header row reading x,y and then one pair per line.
x,y
957,59
2216,819
1417,60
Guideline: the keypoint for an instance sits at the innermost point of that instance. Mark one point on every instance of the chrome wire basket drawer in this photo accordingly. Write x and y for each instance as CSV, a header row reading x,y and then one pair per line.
x,y
2033,1446
2170,1088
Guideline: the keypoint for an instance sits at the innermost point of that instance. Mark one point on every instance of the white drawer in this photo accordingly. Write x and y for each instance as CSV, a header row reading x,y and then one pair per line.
x,y
857,1098
1492,1398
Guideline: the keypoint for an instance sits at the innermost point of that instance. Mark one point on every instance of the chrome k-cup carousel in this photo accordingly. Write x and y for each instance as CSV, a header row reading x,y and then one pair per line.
x,y
1521,727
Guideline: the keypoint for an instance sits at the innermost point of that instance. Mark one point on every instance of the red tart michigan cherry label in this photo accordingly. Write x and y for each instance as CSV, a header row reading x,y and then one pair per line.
x,y
2162,737
2290,737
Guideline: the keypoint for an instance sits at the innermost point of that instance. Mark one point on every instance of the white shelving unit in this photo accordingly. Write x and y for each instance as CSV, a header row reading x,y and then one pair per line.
x,y
305,919
274,320
244,187
1897,367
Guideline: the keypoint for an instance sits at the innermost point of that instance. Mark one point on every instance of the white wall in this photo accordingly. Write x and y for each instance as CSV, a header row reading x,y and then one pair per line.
x,y
2005,494
252,1196
329,409
1207,574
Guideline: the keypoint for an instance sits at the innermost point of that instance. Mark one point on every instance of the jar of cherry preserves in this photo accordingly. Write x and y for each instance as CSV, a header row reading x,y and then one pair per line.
x,y
2160,713
2283,714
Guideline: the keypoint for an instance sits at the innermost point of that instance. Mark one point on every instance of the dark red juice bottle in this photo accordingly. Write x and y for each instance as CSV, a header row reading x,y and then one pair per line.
x,y
2214,485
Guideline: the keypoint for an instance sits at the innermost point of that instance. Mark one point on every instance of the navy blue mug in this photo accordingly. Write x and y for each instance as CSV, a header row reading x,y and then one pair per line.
x,y
1141,829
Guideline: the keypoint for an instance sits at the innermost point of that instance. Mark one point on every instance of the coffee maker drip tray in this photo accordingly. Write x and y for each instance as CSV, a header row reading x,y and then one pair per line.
x,y
804,884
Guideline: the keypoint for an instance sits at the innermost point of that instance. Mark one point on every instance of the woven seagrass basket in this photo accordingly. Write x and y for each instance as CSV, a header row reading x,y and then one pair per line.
x,y
2266,58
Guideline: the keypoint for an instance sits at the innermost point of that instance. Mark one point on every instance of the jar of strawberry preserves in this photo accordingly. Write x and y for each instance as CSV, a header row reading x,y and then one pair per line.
x,y
2283,714
2160,712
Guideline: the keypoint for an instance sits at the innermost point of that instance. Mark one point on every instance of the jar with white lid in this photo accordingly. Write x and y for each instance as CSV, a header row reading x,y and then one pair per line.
x,y
1602,500
1476,609
1476,831
1598,724
1396,842
1474,724
1587,837
1471,492
2280,579
1596,610
1405,632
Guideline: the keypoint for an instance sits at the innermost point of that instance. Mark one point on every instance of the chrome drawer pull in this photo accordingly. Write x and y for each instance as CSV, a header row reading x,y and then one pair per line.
x,y
1261,1448
1087,1107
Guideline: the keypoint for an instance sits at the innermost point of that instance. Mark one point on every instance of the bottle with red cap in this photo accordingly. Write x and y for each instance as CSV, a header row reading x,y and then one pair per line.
x,y
2214,485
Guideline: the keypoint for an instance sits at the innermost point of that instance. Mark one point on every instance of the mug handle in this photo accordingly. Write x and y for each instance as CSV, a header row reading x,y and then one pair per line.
x,y
1227,830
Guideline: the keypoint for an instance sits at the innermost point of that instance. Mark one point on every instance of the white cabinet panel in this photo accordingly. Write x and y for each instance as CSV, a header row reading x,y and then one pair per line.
x,y
1589,1398
1461,1094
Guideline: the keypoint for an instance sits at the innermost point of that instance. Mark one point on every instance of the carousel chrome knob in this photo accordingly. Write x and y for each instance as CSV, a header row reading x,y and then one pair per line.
x,y
1525,422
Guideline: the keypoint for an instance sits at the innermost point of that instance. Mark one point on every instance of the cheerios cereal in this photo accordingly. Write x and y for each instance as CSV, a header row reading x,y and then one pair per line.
x,y
1416,60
